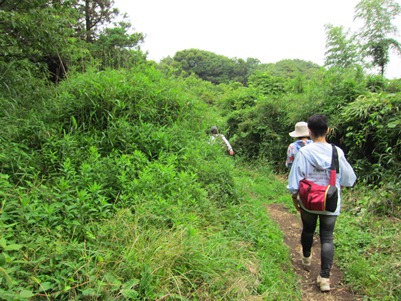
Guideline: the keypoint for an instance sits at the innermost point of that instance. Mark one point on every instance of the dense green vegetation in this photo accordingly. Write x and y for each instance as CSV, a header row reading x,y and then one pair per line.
x,y
111,191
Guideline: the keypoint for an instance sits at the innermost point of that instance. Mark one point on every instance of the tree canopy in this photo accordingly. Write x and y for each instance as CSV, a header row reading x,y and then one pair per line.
x,y
378,32
341,48
46,37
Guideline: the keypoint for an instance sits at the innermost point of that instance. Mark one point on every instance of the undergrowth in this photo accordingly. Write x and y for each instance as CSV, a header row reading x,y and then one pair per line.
x,y
107,196
111,191
369,248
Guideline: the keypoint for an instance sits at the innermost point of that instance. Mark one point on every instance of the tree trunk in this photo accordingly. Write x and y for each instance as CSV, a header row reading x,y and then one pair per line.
x,y
88,21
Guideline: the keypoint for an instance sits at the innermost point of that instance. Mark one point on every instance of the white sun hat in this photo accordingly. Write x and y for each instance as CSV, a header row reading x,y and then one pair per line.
x,y
301,130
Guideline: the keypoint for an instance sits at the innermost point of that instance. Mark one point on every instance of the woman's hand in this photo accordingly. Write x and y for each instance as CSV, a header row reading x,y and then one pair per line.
x,y
296,202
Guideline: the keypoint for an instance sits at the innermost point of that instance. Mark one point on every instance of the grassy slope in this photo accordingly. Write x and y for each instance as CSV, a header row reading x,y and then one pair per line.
x,y
258,187
170,232
369,249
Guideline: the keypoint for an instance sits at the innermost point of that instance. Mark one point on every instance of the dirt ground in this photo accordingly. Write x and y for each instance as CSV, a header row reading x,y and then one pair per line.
x,y
290,225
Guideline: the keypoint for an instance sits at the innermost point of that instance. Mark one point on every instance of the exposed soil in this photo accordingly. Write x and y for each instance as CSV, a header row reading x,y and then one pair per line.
x,y
290,225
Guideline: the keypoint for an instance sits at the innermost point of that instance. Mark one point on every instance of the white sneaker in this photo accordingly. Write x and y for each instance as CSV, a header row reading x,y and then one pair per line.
x,y
306,261
323,283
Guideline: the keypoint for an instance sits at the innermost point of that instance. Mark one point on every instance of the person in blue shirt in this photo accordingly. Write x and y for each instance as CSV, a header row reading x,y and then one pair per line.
x,y
301,133
312,163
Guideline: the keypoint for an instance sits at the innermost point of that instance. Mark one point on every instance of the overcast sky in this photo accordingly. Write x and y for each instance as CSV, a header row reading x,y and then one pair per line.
x,y
268,30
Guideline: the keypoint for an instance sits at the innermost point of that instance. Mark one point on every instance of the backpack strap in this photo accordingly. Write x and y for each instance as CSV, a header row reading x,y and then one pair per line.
x,y
335,166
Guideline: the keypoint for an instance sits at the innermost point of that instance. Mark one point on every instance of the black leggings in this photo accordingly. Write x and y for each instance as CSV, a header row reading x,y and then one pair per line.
x,y
327,223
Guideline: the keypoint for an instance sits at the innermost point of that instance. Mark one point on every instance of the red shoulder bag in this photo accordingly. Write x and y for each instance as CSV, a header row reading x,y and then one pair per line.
x,y
321,198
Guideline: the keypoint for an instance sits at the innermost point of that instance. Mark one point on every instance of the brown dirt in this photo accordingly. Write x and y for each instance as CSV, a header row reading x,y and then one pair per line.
x,y
290,225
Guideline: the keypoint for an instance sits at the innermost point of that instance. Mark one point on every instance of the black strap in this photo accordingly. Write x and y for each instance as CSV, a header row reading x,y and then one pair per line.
x,y
334,160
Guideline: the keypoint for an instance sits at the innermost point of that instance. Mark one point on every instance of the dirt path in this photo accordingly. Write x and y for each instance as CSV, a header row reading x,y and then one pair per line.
x,y
290,225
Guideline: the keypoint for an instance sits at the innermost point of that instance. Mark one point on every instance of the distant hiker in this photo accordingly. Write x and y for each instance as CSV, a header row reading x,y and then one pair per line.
x,y
215,135
312,163
301,132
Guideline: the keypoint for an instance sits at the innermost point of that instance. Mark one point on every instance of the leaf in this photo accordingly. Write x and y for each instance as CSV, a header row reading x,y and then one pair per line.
x,y
393,124
90,292
13,247
130,294
26,294
131,283
44,286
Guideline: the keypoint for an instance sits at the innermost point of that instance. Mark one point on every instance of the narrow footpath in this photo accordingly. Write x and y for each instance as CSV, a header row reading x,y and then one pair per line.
x,y
290,225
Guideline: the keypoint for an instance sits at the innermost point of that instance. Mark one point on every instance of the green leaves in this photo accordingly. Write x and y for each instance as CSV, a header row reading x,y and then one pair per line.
x,y
105,143
372,124
8,247
378,31
341,48
267,84
211,67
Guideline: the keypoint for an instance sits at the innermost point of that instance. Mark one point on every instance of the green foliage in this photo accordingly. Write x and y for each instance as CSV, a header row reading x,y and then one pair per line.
x,y
116,48
111,142
258,132
212,67
47,38
267,84
378,32
31,36
368,248
91,16
238,98
207,65
111,191
394,86
326,93
376,83
341,48
216,173
94,100
209,93
289,68
22,88
26,29
372,124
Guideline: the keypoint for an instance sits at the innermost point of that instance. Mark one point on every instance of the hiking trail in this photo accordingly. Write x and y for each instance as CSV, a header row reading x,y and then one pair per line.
x,y
290,224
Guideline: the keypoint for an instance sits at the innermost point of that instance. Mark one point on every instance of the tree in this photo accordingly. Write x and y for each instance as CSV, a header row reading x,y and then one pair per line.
x,y
92,14
33,29
341,50
267,84
207,65
42,37
118,48
290,68
378,32
34,36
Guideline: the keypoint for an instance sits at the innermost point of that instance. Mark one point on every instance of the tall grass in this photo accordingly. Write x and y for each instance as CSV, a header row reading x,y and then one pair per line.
x,y
369,249
111,191
119,196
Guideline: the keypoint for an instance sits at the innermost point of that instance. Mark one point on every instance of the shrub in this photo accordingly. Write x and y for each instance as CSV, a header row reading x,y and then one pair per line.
x,y
371,131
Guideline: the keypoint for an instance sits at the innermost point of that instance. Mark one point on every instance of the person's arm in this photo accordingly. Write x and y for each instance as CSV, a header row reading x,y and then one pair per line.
x,y
290,157
297,173
228,145
295,200
347,173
